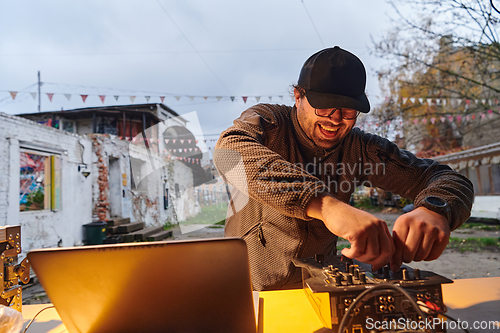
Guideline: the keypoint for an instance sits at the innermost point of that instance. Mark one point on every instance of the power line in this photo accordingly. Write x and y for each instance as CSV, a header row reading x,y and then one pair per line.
x,y
198,53
312,22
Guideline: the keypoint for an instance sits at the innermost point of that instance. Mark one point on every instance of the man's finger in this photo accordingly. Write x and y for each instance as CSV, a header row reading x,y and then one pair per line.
x,y
357,248
411,245
399,235
426,245
438,247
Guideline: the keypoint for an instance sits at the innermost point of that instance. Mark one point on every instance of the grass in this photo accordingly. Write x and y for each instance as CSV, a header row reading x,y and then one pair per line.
x,y
365,204
474,244
480,226
214,214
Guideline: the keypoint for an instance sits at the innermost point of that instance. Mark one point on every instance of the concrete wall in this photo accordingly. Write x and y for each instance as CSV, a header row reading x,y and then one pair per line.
x,y
115,162
45,228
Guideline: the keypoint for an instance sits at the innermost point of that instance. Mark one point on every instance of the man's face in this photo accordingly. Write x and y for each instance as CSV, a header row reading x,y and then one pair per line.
x,y
326,132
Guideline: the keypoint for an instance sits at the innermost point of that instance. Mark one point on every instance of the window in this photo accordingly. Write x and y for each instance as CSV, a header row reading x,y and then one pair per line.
x,y
40,181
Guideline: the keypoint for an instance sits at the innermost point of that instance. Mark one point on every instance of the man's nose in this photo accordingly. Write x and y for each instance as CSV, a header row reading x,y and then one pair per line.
x,y
336,116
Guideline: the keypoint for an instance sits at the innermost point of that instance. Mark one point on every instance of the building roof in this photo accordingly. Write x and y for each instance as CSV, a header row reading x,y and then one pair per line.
x,y
131,110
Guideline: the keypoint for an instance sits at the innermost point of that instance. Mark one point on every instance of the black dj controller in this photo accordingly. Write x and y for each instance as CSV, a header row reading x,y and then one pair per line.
x,y
333,284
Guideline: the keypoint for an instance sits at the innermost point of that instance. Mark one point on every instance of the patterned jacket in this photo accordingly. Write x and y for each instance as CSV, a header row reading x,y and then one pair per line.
x,y
275,170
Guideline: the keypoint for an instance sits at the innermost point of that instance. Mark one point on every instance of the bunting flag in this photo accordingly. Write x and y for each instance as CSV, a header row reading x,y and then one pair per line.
x,y
257,99
33,95
405,99
84,97
192,97
232,98
50,95
132,99
162,98
116,97
412,99
245,99
102,97
13,94
177,97
421,100
147,98
433,120
68,96
218,98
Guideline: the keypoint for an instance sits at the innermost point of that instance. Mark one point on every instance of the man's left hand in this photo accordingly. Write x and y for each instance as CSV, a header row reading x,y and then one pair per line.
x,y
419,235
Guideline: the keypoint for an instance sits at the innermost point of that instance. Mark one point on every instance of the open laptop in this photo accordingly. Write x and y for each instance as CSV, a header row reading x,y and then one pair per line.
x,y
174,286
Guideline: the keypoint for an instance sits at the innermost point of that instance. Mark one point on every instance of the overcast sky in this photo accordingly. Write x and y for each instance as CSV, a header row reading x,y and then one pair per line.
x,y
184,50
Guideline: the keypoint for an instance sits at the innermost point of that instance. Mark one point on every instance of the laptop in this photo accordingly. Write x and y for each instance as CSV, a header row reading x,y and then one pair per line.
x,y
174,286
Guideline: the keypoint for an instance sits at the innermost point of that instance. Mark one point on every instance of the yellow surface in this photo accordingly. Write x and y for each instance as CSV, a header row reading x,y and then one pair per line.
x,y
290,310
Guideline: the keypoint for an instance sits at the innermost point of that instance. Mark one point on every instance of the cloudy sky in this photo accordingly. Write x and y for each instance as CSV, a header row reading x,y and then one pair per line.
x,y
196,53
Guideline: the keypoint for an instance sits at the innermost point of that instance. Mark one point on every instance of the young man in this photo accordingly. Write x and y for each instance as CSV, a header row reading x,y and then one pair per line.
x,y
294,170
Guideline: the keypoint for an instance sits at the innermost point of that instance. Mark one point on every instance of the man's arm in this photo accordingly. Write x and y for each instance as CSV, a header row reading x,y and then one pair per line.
x,y
369,236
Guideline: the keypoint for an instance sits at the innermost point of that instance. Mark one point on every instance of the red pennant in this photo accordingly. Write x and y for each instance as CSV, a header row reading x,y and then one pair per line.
x,y
162,98
13,94
102,97
467,101
84,97
50,95
244,99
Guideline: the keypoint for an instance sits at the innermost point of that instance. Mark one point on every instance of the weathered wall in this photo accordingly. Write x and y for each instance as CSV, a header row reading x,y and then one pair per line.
x,y
140,199
45,228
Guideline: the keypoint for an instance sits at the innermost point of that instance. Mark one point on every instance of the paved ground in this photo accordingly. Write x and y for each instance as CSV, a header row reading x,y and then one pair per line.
x,y
452,264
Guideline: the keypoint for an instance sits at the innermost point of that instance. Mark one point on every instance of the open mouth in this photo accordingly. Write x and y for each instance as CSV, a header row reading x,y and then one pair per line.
x,y
327,131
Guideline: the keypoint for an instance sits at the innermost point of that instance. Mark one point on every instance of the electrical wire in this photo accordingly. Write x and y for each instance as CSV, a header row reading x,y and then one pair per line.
x,y
346,320
33,319
312,22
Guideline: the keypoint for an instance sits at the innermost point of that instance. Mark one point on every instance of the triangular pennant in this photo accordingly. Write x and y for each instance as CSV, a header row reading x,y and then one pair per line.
x,y
476,101
116,97
13,94
438,101
429,101
68,96
270,98
442,118
162,98
421,100
490,102
166,141
280,96
459,119
473,116
405,99
177,97
132,98
192,97
244,99
84,97
483,115
415,121
444,102
102,98
412,99
257,99
189,141
33,95
50,95
205,97
459,101
467,117
232,98
147,98
450,118
467,102
483,101
490,113
218,98
433,120
182,141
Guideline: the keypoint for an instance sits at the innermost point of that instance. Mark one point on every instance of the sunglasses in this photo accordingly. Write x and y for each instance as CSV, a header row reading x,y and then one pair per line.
x,y
346,114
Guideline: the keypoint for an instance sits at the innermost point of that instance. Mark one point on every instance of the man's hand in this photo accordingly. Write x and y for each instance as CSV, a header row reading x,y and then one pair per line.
x,y
419,235
369,236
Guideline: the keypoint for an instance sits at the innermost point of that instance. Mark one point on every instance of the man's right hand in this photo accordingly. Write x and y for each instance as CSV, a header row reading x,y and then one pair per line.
x,y
369,236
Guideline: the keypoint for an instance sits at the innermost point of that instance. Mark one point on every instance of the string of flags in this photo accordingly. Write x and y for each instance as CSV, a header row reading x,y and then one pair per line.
x,y
132,98
453,102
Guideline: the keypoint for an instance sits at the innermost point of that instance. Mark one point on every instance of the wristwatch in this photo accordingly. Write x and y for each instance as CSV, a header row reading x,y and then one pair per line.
x,y
437,205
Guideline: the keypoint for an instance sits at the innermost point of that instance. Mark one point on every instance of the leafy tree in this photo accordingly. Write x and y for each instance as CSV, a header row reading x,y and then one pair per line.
x,y
444,60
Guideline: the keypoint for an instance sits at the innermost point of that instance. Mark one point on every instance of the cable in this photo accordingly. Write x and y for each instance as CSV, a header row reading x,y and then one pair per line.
x,y
33,319
348,317
312,22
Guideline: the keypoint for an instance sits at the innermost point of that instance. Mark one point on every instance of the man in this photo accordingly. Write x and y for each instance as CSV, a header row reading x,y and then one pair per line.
x,y
295,168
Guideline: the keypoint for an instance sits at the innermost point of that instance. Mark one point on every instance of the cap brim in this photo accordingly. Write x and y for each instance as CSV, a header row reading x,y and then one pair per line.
x,y
327,101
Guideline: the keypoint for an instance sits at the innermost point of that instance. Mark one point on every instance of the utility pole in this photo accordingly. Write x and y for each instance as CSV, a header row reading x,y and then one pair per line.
x,y
39,96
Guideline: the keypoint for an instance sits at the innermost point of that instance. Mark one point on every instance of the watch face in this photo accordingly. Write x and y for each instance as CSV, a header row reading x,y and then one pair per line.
x,y
435,201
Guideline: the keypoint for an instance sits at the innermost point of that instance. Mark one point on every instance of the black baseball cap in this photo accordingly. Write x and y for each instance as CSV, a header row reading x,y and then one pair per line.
x,y
335,78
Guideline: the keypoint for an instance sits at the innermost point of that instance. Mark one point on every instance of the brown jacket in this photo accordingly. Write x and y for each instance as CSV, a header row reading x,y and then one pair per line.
x,y
276,170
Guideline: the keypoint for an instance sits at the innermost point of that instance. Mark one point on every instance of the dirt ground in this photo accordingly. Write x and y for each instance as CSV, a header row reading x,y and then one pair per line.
x,y
452,263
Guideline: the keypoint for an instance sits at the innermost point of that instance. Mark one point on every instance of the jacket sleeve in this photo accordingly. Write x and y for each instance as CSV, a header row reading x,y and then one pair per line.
x,y
243,161
403,173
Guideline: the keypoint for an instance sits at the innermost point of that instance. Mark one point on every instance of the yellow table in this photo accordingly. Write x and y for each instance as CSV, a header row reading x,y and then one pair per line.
x,y
290,311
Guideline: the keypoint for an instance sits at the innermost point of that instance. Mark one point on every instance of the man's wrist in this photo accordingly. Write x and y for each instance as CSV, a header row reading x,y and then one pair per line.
x,y
315,208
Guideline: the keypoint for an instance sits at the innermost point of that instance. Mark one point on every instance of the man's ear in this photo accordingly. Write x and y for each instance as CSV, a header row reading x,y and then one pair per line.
x,y
297,96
